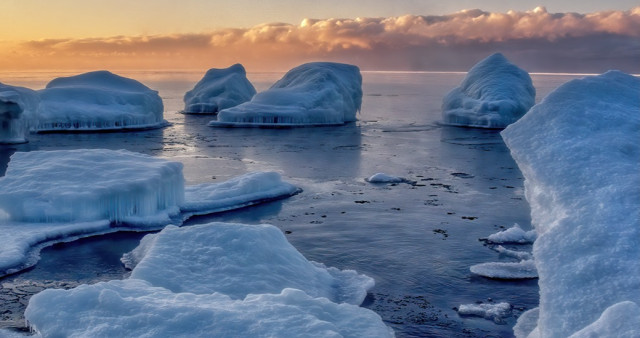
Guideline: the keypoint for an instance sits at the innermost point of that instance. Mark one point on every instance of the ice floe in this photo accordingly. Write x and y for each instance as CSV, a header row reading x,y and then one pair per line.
x,y
98,100
225,280
492,311
317,93
578,150
385,178
494,94
515,234
53,196
219,89
506,270
18,107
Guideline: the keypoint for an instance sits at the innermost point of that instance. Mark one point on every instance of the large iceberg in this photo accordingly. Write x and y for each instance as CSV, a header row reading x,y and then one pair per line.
x,y
317,93
579,152
217,279
52,196
494,94
17,108
98,100
219,89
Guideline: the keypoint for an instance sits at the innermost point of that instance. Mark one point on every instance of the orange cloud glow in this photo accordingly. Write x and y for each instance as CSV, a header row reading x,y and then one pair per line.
x,y
597,40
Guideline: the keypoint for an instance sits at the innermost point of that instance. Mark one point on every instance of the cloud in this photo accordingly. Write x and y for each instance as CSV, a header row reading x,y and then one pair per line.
x,y
546,41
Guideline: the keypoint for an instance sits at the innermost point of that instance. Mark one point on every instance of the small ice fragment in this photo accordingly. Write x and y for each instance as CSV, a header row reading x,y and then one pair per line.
x,y
514,234
385,178
496,312
506,270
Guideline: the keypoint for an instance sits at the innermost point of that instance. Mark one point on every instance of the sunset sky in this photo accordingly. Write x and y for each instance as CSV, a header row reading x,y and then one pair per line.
x,y
566,35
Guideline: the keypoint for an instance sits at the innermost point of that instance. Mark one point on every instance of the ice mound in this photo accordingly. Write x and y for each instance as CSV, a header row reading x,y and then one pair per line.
x,y
579,152
219,89
384,178
84,185
243,190
318,93
17,107
494,94
179,288
515,234
237,260
496,312
525,269
98,101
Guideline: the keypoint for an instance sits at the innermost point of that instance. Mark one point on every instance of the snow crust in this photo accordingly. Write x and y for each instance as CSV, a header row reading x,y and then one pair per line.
x,y
384,178
17,107
219,89
579,152
52,196
317,93
496,312
494,94
190,299
98,100
515,234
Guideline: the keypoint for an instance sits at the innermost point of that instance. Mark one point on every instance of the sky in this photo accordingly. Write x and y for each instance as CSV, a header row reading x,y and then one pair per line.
x,y
565,35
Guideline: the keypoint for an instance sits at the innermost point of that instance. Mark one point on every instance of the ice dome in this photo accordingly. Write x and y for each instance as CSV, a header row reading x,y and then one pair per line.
x,y
317,93
219,89
216,279
578,150
98,100
17,107
494,94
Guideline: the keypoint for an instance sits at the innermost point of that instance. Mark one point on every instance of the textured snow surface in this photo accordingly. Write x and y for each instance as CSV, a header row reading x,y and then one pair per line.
x,y
506,270
515,234
17,108
384,178
318,93
494,94
496,312
219,89
579,152
98,101
217,279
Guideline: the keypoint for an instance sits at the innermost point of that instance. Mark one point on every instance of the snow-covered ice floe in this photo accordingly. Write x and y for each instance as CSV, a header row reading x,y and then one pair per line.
x,y
525,269
515,234
579,152
217,279
492,311
219,89
317,93
385,178
53,196
494,94
17,108
98,100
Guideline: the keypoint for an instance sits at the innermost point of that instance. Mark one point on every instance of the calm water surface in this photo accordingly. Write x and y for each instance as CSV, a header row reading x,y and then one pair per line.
x,y
417,241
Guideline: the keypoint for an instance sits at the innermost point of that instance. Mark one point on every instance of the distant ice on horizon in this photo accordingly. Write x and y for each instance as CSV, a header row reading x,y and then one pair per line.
x,y
317,93
578,150
493,94
98,100
18,106
216,279
219,89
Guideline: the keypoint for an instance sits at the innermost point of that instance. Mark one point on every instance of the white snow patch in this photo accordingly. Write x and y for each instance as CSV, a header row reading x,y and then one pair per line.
x,y
317,93
98,100
515,234
228,280
492,311
506,270
384,178
18,105
219,89
494,94
579,152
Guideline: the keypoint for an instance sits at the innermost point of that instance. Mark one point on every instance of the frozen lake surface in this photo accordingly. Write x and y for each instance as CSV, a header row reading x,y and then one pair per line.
x,y
417,241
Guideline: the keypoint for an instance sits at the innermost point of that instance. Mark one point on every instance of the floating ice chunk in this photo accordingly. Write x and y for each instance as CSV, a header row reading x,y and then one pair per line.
x,y
496,312
236,260
17,107
494,94
579,152
385,178
618,320
515,234
506,270
85,185
98,101
219,89
237,192
134,308
318,93
521,255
